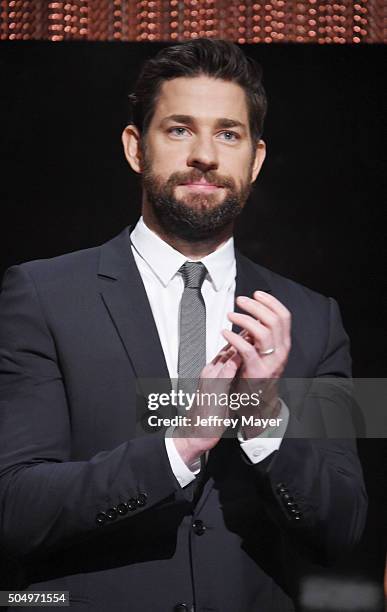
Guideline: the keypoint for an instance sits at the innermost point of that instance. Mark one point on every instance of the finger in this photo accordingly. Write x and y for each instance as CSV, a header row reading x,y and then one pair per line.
x,y
234,359
263,337
231,366
213,369
265,316
227,350
247,351
278,319
224,354
266,331
276,306
226,370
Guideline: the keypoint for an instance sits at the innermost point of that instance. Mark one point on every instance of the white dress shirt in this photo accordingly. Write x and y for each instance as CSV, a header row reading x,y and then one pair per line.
x,y
159,264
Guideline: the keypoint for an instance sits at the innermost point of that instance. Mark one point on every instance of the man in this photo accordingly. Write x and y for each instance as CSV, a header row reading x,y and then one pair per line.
x,y
183,519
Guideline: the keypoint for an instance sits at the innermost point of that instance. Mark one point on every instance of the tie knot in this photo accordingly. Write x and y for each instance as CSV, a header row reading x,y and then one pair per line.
x,y
194,273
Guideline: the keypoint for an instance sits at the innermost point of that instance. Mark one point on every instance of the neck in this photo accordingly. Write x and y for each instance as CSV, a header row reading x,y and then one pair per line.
x,y
192,250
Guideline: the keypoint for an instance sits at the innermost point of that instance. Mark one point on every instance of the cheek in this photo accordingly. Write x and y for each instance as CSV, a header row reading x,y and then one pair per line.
x,y
167,163
167,155
241,175
237,164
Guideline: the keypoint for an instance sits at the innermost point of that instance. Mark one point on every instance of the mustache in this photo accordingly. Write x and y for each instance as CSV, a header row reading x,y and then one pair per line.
x,y
195,175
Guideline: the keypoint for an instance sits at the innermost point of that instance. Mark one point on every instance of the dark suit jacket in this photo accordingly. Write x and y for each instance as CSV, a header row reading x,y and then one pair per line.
x,y
86,506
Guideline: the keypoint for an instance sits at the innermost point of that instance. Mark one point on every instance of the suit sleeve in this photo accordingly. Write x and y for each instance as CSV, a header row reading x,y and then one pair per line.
x,y
48,501
314,486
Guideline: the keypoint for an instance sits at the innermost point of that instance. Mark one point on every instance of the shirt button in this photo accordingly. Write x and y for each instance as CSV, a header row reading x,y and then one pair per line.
x,y
257,452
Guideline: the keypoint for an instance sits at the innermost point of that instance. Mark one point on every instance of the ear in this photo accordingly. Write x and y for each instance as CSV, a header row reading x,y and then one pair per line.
x,y
260,155
131,140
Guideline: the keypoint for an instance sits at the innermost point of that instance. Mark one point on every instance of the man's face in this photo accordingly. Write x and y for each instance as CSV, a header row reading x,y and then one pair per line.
x,y
198,158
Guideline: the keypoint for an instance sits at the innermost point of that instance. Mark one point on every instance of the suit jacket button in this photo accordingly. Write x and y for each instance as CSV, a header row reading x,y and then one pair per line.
x,y
141,500
281,488
295,512
287,497
132,504
101,518
112,514
122,509
181,607
199,527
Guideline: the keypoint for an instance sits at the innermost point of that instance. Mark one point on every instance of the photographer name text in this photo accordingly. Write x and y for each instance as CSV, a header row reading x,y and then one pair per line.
x,y
212,421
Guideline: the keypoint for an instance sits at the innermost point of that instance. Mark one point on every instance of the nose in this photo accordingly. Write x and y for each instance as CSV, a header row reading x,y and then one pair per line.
x,y
203,155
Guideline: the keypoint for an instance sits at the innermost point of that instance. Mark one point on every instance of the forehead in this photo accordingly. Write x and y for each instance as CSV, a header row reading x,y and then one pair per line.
x,y
202,97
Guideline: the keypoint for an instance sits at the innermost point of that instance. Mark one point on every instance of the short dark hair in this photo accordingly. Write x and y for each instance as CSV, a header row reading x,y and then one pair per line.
x,y
216,58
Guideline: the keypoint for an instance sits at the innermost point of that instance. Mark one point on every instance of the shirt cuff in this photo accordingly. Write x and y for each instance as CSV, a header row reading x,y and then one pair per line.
x,y
183,474
260,447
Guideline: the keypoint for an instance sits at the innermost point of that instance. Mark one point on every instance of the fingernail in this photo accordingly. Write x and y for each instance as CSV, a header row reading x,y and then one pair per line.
x,y
242,298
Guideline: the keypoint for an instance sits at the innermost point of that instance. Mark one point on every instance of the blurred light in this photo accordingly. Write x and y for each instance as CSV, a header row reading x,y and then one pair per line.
x,y
163,20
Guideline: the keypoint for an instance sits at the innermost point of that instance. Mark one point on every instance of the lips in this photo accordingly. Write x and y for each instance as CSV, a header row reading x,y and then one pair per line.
x,y
201,187
201,184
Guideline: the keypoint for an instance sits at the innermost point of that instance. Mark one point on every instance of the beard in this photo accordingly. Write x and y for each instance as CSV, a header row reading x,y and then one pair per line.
x,y
195,216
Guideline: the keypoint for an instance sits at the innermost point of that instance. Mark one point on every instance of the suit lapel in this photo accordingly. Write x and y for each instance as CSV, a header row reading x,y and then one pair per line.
x,y
125,298
248,280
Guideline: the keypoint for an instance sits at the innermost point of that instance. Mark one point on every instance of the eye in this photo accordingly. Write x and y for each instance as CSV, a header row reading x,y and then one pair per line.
x,y
231,136
177,131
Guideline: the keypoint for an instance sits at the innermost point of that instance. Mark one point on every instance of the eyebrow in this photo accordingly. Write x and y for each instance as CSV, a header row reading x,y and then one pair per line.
x,y
222,122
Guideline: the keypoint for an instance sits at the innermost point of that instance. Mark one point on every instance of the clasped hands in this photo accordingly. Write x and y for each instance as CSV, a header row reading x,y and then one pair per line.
x,y
247,364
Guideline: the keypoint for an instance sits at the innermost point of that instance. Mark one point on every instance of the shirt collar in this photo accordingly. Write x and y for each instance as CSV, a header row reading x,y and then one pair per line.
x,y
165,261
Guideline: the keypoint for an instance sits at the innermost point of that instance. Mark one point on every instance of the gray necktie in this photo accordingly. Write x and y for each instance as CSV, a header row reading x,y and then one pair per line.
x,y
192,346
192,343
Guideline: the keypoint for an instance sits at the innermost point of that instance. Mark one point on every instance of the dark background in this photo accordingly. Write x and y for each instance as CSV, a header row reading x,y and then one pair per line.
x,y
315,215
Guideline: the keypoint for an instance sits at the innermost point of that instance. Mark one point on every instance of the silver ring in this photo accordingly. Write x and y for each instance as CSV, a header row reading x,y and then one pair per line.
x,y
268,351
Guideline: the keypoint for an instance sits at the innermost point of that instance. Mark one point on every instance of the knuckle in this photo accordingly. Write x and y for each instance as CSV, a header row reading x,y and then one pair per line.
x,y
282,352
287,317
